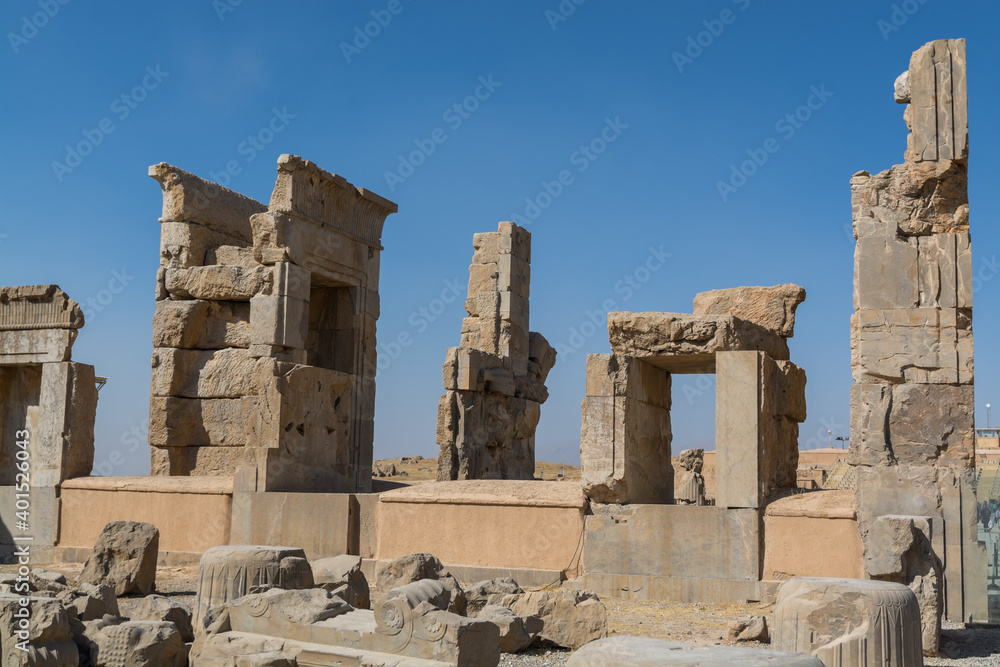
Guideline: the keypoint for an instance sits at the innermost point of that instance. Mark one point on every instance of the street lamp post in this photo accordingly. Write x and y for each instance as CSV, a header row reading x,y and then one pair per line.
x,y
988,425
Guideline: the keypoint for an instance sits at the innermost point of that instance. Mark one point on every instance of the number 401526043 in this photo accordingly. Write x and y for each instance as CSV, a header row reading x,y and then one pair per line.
x,y
22,479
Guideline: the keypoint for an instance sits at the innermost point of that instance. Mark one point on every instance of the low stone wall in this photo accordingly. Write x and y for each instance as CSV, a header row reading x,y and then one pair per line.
x,y
497,524
813,535
321,524
192,513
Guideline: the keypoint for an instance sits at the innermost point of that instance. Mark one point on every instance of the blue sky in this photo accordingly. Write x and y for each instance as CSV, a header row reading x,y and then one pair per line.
x,y
640,135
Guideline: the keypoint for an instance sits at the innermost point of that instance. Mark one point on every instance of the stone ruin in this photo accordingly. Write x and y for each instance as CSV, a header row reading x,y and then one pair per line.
x,y
912,414
738,334
46,394
263,370
264,332
495,380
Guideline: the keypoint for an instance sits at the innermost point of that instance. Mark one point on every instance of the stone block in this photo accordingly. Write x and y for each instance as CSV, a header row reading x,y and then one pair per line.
x,y
44,517
201,325
514,275
543,354
137,643
514,240
198,461
187,244
36,346
124,558
48,636
188,198
279,321
303,419
625,433
218,282
771,307
342,576
920,345
933,424
202,373
938,275
791,391
489,322
290,518
661,338
163,609
681,541
486,436
911,199
469,366
885,273
38,307
63,436
327,200
486,247
889,539
569,618
871,404
232,255
196,422
737,429
939,102
482,278
841,620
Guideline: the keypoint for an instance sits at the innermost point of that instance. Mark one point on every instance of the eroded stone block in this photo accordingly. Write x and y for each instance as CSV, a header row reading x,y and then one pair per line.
x,y
224,373
201,325
771,307
218,282
188,198
196,422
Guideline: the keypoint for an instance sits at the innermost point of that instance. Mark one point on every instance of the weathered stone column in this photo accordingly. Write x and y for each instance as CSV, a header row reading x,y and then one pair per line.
x,y
912,411
495,380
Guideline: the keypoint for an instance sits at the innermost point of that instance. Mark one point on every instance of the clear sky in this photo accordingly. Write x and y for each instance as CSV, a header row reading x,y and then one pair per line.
x,y
642,107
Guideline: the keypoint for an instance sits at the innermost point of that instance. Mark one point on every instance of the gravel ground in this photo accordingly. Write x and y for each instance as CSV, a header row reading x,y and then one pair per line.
x,y
969,647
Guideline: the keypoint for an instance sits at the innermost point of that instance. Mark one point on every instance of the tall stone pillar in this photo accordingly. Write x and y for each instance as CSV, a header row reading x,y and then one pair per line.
x,y
495,380
912,411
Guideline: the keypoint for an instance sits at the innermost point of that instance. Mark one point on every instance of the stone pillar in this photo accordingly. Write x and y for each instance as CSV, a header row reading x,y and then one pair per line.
x,y
912,410
495,380
625,435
